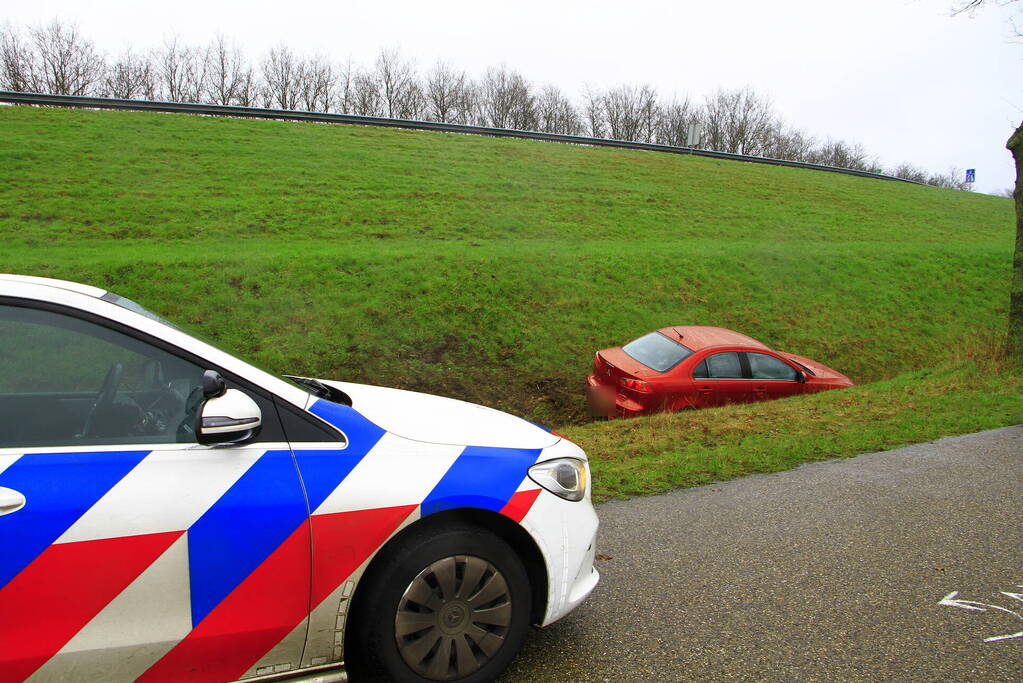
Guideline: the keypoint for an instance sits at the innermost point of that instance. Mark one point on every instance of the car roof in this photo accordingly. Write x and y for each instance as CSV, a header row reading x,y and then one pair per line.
x,y
698,337
57,284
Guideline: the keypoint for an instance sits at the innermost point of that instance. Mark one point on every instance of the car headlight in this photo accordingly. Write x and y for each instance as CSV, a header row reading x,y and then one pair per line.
x,y
564,477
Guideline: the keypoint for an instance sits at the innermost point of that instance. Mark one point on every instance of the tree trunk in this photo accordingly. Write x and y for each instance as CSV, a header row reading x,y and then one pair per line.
x,y
1015,340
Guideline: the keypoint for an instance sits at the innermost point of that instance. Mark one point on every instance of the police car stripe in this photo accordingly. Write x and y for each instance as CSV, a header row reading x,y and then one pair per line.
x,y
7,460
396,472
247,623
494,472
149,617
519,504
242,529
202,476
342,541
58,488
323,470
362,434
57,595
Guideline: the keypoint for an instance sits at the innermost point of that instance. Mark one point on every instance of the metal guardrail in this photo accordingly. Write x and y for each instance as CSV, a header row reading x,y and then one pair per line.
x,y
320,117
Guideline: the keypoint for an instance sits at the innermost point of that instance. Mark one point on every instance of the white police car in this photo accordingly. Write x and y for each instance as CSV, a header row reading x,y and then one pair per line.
x,y
171,513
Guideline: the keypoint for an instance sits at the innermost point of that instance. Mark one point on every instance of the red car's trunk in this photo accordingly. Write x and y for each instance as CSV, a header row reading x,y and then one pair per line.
x,y
613,364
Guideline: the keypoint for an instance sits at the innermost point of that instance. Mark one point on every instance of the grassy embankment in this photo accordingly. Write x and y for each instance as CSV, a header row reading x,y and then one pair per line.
x,y
492,269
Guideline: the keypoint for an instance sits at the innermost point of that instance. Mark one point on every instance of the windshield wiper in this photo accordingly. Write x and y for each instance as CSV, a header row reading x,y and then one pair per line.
x,y
317,387
321,390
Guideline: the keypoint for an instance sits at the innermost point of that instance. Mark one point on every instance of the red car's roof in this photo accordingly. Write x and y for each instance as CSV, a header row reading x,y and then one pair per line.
x,y
698,337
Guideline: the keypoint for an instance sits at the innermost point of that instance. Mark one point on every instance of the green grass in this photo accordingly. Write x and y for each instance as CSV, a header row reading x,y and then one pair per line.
x,y
491,269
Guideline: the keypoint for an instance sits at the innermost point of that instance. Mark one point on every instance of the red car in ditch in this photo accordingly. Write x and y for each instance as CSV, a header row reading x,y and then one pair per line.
x,y
682,367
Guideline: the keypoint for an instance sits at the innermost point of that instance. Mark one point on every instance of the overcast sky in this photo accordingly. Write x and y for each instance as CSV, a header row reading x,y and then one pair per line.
x,y
899,76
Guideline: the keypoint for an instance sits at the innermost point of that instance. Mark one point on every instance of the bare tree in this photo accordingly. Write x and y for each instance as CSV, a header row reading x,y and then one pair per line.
x,y
507,100
365,95
67,63
472,110
343,87
181,72
790,143
399,86
971,6
227,73
1014,340
447,94
843,155
674,120
555,112
738,121
593,113
16,61
282,73
951,179
908,171
316,87
131,76
1015,337
629,112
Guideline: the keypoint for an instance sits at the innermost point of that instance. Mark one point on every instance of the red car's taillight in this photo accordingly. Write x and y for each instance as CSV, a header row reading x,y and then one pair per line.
x,y
634,384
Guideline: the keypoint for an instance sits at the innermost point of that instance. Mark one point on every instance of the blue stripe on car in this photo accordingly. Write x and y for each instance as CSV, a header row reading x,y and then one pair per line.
x,y
242,528
266,505
481,477
59,488
322,471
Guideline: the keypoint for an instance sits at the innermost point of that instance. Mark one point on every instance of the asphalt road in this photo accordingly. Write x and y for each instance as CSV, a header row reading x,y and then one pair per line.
x,y
830,572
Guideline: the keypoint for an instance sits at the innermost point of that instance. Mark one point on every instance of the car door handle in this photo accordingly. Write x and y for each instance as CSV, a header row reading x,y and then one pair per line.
x,y
10,501
759,388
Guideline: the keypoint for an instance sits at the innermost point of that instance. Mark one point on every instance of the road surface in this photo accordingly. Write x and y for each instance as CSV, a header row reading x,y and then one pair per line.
x,y
834,571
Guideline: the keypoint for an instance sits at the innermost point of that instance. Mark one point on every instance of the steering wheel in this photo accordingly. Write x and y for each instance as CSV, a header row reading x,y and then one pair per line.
x,y
105,397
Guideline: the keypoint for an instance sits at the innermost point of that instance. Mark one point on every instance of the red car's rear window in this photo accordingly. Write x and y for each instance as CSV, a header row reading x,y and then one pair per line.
x,y
657,351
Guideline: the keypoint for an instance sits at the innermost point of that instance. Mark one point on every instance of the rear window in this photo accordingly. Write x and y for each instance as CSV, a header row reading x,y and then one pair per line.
x,y
657,351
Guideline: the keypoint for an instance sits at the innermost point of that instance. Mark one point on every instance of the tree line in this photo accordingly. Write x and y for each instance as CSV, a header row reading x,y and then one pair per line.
x,y
57,59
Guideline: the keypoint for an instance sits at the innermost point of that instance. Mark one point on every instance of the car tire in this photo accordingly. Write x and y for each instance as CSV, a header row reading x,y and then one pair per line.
x,y
449,605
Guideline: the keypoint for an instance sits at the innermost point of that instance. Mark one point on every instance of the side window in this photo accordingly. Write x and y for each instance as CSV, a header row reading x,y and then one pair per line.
x,y
70,382
763,366
724,366
700,371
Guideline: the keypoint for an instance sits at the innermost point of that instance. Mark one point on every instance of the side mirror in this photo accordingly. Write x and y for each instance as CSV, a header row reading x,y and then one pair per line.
x,y
213,384
801,376
228,418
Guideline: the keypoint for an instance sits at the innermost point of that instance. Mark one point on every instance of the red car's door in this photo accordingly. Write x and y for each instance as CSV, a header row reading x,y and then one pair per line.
x,y
772,377
718,380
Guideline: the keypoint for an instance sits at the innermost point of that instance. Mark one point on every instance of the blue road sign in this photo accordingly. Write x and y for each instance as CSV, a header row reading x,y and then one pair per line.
x,y
971,175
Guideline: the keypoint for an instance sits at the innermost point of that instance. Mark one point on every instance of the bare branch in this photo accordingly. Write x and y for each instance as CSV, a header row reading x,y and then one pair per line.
x,y
68,64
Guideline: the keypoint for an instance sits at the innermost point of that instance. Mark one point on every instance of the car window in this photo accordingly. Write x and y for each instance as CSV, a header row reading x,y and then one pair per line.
x,y
723,366
763,366
65,381
657,351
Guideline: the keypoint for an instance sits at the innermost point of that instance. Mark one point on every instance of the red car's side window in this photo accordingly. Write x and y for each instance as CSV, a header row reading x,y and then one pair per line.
x,y
719,366
763,366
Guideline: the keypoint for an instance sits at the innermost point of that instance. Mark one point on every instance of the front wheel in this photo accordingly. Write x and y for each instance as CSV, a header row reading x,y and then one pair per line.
x,y
453,605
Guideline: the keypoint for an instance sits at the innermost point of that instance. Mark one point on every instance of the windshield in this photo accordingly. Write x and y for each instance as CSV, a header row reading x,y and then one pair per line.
x,y
311,386
657,351
136,308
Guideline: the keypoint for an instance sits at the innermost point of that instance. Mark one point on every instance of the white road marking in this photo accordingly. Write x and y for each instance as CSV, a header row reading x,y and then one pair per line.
x,y
951,600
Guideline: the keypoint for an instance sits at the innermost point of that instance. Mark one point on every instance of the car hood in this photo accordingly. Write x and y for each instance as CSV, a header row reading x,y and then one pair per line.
x,y
820,370
436,419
